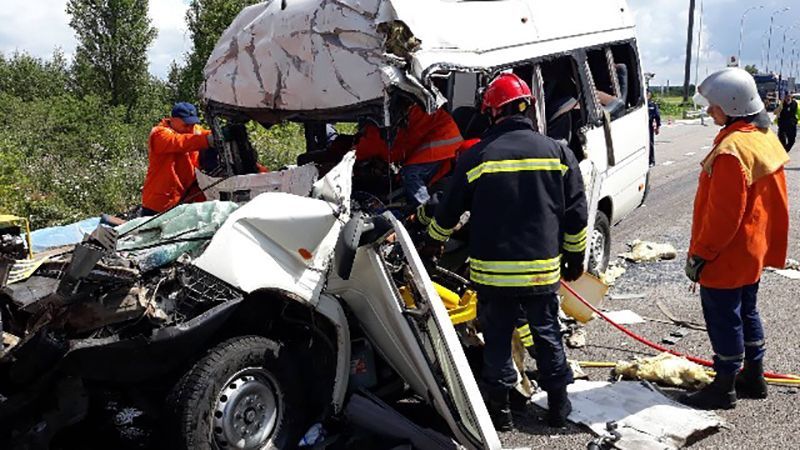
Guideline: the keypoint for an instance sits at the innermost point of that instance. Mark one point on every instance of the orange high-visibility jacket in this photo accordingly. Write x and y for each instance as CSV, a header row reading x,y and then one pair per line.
x,y
173,158
427,138
741,209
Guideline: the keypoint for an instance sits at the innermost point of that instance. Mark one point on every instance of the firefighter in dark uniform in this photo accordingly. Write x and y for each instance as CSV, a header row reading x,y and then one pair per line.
x,y
654,116
528,223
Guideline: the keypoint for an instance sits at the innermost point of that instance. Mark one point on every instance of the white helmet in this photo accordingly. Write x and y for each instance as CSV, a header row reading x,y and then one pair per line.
x,y
732,89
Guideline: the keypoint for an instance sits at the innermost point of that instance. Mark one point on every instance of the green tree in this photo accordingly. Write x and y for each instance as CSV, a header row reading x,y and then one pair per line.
x,y
751,69
206,20
113,38
27,77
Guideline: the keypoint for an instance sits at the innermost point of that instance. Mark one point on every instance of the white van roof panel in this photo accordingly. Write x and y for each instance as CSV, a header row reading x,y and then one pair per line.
x,y
303,55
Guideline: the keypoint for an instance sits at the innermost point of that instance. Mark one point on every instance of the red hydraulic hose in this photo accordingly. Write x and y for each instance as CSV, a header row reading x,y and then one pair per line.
x,y
651,344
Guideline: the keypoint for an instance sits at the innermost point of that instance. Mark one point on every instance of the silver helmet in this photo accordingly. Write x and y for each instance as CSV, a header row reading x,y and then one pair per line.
x,y
732,89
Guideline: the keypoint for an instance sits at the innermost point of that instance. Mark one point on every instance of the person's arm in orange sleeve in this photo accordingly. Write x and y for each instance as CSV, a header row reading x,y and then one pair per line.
x,y
166,140
371,145
726,205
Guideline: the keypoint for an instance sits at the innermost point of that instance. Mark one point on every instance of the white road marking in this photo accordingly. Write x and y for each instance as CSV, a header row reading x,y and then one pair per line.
x,y
705,147
690,154
668,163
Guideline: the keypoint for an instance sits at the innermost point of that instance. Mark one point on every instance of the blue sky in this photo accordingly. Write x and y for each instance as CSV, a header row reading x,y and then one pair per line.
x,y
38,26
661,29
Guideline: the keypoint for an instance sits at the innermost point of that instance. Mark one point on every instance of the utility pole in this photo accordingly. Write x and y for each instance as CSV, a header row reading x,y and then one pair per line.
x,y
699,46
688,69
769,41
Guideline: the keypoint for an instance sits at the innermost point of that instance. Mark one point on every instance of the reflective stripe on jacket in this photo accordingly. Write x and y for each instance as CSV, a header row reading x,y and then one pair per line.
x,y
527,205
173,158
741,209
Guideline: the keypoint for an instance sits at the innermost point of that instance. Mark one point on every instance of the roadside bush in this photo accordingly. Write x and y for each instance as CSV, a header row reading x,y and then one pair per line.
x,y
278,146
66,157
69,158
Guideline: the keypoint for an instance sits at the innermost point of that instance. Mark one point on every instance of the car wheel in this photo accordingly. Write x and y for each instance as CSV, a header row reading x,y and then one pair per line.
x,y
243,394
600,244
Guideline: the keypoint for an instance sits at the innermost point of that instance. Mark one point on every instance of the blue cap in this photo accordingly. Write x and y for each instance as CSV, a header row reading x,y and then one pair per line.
x,y
186,112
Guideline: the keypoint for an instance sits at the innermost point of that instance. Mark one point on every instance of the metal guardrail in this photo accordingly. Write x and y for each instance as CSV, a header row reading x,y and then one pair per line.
x,y
696,114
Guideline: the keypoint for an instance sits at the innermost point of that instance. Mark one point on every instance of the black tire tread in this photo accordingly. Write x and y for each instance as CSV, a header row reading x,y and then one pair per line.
x,y
194,387
602,219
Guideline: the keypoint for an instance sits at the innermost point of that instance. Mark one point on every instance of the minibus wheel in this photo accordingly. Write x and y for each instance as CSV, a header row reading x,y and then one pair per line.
x,y
600,244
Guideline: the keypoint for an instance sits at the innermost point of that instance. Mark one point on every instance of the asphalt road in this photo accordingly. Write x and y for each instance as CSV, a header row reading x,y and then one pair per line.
x,y
666,218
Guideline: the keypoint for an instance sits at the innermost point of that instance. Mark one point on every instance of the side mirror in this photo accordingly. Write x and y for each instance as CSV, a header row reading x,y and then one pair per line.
x,y
347,245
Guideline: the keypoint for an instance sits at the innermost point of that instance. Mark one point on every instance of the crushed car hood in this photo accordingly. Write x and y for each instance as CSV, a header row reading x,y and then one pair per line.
x,y
283,241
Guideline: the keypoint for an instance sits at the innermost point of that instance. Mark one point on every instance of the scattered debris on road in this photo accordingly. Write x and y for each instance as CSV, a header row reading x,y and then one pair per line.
x,y
677,321
674,336
577,338
625,317
665,369
791,270
627,297
644,417
615,270
645,251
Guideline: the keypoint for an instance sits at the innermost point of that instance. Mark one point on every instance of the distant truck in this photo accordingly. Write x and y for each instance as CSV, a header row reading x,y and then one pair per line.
x,y
770,88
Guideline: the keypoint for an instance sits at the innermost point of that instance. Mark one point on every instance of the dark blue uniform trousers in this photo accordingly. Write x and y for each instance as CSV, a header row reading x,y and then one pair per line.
x,y
734,326
498,315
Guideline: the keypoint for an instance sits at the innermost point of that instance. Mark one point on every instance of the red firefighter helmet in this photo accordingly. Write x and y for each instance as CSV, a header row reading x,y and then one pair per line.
x,y
504,89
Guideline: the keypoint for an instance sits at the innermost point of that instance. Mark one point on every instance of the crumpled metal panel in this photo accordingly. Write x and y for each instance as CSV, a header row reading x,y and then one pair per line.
x,y
314,54
283,241
328,54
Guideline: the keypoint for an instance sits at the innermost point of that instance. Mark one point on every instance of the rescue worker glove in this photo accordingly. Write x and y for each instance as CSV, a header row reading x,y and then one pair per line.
x,y
694,265
571,265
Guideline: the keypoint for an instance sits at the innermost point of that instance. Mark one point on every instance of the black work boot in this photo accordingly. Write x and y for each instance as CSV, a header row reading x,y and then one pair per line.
x,y
720,394
750,382
518,402
499,407
558,407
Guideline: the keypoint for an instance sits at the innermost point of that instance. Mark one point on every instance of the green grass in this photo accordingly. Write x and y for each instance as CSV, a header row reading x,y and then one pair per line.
x,y
672,107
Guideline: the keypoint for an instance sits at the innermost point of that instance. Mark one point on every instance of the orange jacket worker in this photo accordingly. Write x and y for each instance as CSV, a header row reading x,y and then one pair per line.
x,y
425,148
173,150
740,225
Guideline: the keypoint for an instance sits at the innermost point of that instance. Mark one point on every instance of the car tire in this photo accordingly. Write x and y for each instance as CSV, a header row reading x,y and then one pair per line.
x,y
600,245
243,394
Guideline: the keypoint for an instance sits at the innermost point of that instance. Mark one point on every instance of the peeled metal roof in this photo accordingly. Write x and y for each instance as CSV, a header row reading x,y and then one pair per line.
x,y
305,55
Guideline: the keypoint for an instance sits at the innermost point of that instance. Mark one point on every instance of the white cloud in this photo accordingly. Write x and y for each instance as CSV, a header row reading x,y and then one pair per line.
x,y
39,29
661,30
169,17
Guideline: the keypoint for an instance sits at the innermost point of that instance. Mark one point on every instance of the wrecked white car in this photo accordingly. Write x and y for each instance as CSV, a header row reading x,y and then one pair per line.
x,y
290,299
256,321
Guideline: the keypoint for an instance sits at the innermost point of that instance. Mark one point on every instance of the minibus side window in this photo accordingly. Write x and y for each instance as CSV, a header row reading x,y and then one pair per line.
x,y
610,81
526,73
625,54
465,103
444,84
565,103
